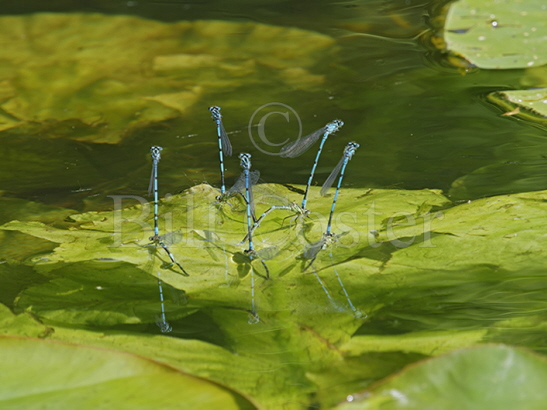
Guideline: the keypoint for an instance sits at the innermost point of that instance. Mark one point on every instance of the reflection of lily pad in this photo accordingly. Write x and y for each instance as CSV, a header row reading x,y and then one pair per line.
x,y
504,177
489,377
104,75
498,34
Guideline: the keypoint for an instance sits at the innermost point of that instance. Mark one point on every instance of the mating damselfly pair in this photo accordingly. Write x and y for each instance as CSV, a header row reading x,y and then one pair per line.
x,y
244,187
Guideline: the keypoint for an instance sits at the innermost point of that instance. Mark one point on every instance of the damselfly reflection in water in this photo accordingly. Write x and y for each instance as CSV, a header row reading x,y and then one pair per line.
x,y
177,296
246,265
160,240
222,252
211,241
161,320
356,312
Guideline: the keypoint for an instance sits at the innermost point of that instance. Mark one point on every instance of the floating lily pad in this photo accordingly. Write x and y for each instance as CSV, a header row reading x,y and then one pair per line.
x,y
527,104
500,231
14,208
496,34
211,232
104,378
101,295
421,277
487,377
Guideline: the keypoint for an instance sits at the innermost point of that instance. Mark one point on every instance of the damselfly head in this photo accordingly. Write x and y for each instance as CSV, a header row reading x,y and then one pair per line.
x,y
333,126
350,149
245,160
215,111
156,152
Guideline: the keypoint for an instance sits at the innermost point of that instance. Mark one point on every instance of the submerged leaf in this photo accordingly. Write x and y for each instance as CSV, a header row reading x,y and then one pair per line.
x,y
426,343
21,325
95,77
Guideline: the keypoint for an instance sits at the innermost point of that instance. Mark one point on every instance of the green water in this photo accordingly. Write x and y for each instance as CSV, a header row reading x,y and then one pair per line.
x,y
421,123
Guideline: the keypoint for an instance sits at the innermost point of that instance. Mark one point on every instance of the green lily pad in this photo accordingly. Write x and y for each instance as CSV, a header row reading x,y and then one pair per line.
x,y
95,77
389,236
102,295
209,249
105,378
526,104
486,377
496,34
499,231
421,277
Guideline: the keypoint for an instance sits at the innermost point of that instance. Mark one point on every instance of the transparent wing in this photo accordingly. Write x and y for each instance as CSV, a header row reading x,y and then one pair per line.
x,y
312,250
251,199
152,177
226,145
160,319
268,253
239,185
254,176
171,238
301,145
330,180
266,194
